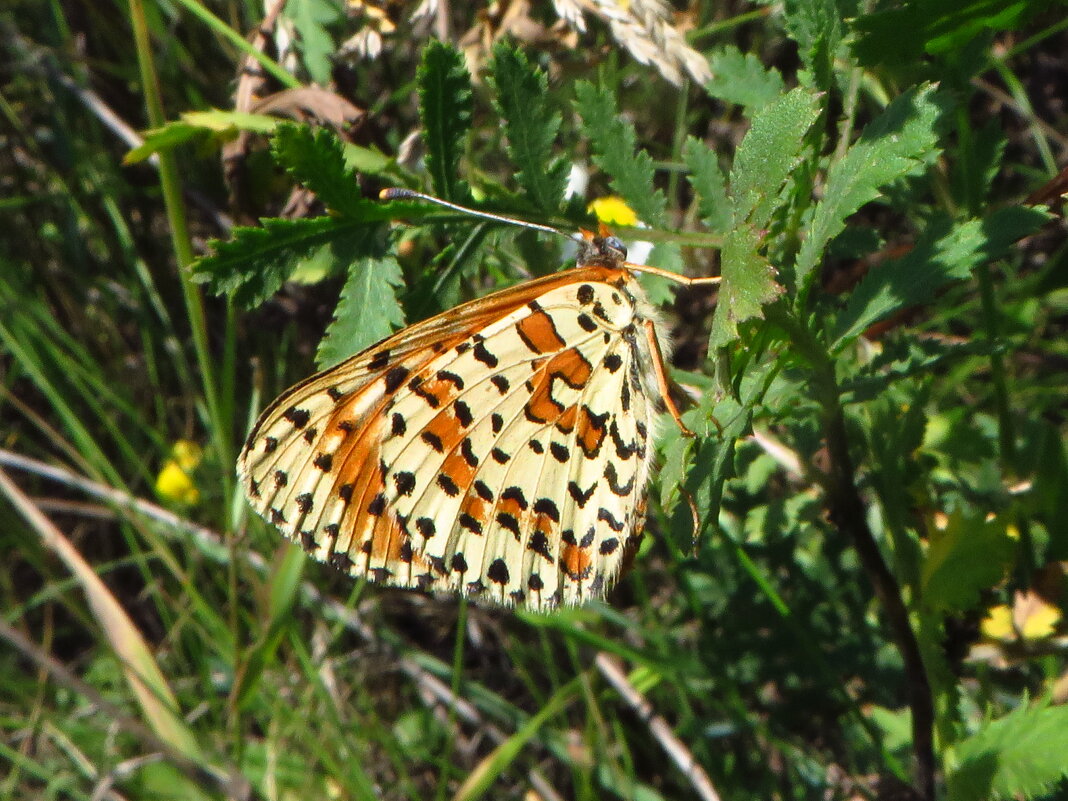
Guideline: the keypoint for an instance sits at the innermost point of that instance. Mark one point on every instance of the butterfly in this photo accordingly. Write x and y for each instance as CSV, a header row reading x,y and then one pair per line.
x,y
500,449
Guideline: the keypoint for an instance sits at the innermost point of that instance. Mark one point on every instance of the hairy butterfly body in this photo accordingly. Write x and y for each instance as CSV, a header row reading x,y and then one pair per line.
x,y
500,450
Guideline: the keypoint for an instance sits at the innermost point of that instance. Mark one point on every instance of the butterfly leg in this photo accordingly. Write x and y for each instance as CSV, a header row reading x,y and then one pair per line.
x,y
661,378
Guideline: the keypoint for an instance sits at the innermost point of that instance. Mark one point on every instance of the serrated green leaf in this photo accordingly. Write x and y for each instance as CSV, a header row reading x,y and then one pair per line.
x,y
709,183
942,254
768,153
968,556
741,78
1019,756
816,26
445,108
316,158
257,261
530,126
367,311
614,142
748,283
894,145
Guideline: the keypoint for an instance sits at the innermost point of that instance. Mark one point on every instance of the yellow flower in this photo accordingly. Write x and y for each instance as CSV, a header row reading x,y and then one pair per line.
x,y
174,482
612,210
187,453
997,625
1029,618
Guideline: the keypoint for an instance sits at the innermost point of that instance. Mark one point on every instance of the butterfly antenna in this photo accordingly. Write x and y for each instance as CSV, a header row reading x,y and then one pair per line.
x,y
398,193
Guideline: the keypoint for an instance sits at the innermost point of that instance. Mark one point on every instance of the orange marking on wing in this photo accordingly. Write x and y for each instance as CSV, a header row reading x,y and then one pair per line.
x,y
442,392
511,507
590,435
476,508
566,421
539,333
361,476
576,562
386,542
456,468
446,428
572,367
542,407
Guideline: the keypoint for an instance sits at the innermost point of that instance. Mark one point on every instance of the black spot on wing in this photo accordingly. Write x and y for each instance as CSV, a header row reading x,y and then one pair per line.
x,y
481,353
515,494
379,360
463,413
395,377
298,417
404,481
498,572
539,544
508,522
613,481
545,506
609,518
578,495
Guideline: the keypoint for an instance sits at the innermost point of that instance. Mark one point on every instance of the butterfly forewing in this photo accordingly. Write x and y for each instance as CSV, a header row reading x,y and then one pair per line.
x,y
500,449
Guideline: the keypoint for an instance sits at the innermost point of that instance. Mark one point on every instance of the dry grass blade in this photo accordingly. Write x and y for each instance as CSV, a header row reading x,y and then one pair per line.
x,y
157,701
672,745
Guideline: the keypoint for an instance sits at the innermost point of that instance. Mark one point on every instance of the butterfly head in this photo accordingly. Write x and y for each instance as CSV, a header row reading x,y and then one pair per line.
x,y
601,249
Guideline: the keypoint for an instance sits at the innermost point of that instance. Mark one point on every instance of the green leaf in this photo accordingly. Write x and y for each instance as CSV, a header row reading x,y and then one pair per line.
x,y
315,157
894,145
742,79
310,18
530,126
942,254
445,107
968,556
768,153
748,283
1018,756
816,26
614,142
367,311
708,182
257,261
195,124
934,26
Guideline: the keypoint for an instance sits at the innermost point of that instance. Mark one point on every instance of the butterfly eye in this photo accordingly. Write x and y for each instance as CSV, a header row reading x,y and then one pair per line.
x,y
616,246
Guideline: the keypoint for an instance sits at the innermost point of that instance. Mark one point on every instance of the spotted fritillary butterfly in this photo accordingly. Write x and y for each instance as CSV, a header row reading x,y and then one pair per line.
x,y
500,449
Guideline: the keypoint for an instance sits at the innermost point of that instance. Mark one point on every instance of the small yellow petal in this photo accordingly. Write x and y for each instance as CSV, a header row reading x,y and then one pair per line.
x,y
997,625
173,484
1034,617
612,210
187,453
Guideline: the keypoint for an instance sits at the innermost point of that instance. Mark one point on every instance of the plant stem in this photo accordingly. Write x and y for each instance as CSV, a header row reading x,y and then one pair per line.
x,y
183,251
846,511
